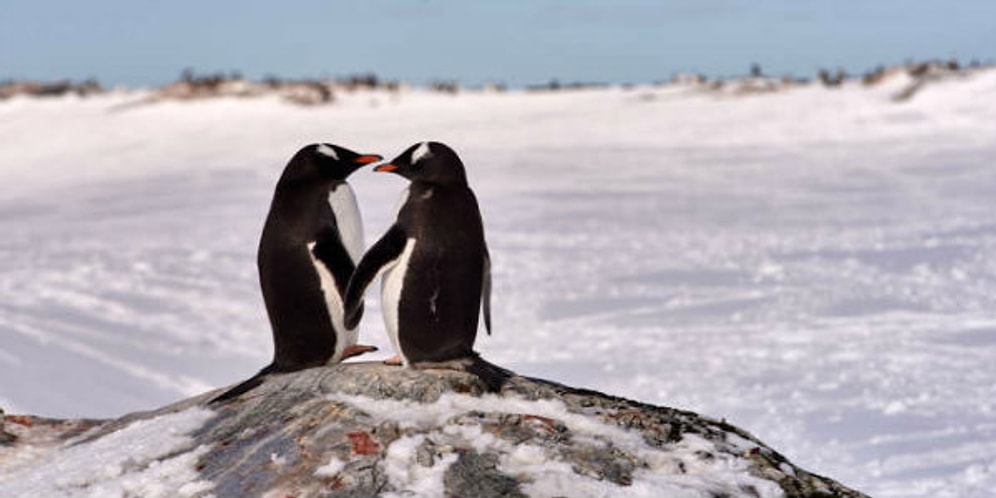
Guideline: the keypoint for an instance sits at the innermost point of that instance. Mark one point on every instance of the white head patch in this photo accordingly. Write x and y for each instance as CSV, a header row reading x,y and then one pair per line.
x,y
421,152
325,150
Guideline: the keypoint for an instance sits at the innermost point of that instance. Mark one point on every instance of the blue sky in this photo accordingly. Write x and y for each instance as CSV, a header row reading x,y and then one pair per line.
x,y
144,42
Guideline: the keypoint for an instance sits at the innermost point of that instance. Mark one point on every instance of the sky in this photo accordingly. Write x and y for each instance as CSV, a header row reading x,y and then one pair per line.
x,y
145,42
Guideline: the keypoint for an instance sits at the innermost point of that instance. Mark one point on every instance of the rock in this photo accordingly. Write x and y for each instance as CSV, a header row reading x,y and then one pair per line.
x,y
476,474
59,88
365,429
28,430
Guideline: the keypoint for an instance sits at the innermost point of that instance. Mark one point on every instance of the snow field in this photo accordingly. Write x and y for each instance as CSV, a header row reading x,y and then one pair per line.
x,y
816,266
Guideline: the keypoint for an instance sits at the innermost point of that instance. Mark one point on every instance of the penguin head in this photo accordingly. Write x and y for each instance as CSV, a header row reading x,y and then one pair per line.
x,y
431,162
323,163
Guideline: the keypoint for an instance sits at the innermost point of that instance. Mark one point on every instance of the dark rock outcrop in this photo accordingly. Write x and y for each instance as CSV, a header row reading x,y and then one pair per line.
x,y
366,429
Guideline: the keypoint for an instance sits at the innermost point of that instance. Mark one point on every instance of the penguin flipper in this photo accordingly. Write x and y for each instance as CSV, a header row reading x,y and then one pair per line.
x,y
486,291
329,249
244,386
378,258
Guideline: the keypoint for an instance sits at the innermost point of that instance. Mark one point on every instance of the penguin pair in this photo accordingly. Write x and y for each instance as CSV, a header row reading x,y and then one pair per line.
x,y
435,261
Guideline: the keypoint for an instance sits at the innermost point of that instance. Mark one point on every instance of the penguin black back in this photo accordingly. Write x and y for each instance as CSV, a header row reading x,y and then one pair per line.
x,y
305,261
300,215
434,259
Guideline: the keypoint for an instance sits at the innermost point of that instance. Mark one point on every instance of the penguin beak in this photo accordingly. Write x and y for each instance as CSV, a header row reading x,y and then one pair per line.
x,y
386,167
367,159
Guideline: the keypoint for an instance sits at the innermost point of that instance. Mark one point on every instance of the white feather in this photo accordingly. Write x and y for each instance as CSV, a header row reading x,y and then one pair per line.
x,y
390,294
342,200
334,303
326,150
421,152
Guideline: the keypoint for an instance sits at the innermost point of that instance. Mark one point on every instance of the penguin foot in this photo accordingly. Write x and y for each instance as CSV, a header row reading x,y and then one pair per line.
x,y
357,350
394,360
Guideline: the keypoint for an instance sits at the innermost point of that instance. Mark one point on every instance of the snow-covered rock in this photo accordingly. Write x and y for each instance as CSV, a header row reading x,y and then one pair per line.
x,y
365,429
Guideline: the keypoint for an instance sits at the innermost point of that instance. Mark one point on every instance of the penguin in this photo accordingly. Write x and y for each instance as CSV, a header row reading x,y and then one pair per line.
x,y
435,265
311,242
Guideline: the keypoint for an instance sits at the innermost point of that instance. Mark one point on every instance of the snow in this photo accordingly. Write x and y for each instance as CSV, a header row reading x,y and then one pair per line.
x,y
330,469
149,458
817,266
542,471
412,479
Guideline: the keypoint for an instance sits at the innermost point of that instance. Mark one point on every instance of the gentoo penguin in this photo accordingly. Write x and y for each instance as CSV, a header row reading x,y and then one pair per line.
x,y
311,242
436,267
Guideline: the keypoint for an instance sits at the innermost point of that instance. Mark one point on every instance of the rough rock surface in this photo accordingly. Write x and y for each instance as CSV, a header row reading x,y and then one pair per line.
x,y
365,429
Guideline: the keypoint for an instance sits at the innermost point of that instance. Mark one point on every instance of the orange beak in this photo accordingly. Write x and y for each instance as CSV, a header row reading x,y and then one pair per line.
x,y
386,167
367,159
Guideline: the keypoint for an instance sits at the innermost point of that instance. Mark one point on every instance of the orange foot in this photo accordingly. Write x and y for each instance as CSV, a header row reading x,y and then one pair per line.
x,y
394,360
357,350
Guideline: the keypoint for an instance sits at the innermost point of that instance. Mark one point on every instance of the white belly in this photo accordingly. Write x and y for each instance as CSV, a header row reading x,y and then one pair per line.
x,y
390,295
334,302
347,217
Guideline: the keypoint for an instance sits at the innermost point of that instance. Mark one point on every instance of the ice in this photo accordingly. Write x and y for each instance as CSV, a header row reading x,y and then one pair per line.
x,y
817,266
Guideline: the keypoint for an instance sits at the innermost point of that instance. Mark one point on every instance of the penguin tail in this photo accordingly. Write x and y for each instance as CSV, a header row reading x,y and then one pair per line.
x,y
244,386
492,375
